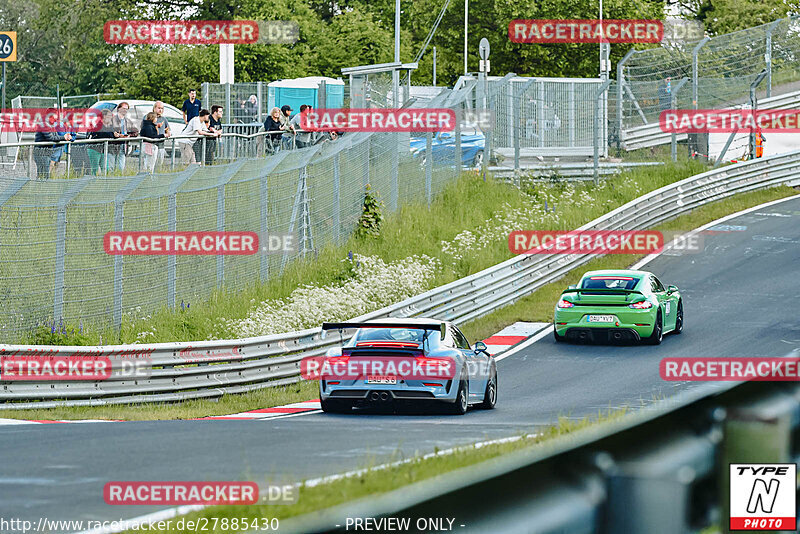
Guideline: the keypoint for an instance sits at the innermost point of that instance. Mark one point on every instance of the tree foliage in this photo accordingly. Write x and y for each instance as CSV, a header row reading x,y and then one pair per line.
x,y
61,41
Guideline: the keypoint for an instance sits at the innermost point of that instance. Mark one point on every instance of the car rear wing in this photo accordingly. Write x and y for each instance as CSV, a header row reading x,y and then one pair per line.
x,y
618,291
438,326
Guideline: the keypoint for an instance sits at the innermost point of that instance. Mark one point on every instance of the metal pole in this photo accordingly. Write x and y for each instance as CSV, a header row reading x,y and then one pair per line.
x,y
337,215
4,81
105,158
466,33
172,157
515,127
754,107
395,72
259,95
395,199
696,51
596,130
767,57
620,83
428,166
458,140
674,98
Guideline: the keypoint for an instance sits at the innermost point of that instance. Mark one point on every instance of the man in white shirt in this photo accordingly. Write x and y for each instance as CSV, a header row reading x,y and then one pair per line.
x,y
191,149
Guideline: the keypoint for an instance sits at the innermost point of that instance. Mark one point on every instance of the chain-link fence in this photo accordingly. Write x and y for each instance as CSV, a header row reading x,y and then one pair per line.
x,y
718,71
53,265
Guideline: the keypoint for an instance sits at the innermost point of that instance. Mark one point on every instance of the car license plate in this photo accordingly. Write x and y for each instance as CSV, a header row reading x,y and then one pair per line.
x,y
600,319
381,380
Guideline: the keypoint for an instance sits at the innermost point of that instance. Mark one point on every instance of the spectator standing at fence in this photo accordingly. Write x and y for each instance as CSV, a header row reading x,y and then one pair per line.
x,y
190,148
273,124
162,126
150,131
191,106
288,135
42,154
99,151
126,128
214,125
250,107
303,139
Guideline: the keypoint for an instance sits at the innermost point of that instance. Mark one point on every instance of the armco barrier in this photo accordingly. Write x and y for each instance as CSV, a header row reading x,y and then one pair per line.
x,y
660,470
203,369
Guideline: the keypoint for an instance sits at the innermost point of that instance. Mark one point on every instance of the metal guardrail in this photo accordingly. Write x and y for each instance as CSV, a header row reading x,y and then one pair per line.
x,y
660,470
203,369
650,135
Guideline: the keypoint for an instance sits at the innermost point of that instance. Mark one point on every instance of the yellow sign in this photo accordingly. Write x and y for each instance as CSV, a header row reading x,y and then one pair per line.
x,y
8,46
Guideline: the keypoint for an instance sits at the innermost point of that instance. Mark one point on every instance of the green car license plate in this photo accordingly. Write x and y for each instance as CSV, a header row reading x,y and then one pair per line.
x,y
600,319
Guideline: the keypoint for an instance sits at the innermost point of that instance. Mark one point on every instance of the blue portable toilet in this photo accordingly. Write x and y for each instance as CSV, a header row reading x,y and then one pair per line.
x,y
299,91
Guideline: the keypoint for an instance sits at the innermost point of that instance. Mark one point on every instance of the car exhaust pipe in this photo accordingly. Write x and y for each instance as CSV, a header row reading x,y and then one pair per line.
x,y
384,396
617,336
375,396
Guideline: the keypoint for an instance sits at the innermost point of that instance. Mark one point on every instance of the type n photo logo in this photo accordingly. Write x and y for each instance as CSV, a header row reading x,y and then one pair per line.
x,y
763,497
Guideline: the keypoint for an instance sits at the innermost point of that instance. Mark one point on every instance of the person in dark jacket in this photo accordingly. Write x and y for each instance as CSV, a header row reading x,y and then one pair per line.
x,y
42,154
149,130
98,153
273,124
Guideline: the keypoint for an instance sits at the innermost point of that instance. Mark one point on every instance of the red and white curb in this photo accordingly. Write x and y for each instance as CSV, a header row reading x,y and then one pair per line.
x,y
511,335
497,344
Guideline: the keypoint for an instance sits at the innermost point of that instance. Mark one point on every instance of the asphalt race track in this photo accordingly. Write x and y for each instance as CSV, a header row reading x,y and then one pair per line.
x,y
740,298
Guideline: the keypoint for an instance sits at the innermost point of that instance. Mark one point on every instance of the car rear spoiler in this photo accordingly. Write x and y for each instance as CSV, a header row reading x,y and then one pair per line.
x,y
603,291
441,327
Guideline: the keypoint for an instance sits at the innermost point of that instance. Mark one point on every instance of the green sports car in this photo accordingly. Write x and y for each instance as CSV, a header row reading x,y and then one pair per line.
x,y
618,305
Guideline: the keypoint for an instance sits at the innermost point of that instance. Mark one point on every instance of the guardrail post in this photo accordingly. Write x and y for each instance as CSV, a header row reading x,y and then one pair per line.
x,y
172,226
768,56
119,226
695,52
61,244
429,166
674,104
620,96
756,431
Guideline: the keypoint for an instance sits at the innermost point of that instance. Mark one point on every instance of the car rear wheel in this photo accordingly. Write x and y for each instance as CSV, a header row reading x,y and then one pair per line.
x,y
679,318
335,406
459,407
490,395
658,331
558,338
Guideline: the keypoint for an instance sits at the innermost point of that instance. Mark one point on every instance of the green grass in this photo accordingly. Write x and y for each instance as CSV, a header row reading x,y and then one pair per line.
x,y
370,482
414,229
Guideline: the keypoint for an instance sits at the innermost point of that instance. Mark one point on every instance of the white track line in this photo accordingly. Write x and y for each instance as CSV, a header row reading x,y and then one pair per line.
x,y
170,513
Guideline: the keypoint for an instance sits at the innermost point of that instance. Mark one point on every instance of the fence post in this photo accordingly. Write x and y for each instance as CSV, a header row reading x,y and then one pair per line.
x,y
172,156
395,197
259,96
32,173
459,157
337,214
69,158
206,93
428,166
172,226
515,126
366,164
596,129
105,158
620,96
695,52
141,155
119,225
674,104
768,56
61,244
227,97
203,152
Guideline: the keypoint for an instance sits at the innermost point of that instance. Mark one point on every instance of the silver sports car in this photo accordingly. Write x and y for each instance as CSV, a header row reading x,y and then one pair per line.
x,y
406,361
